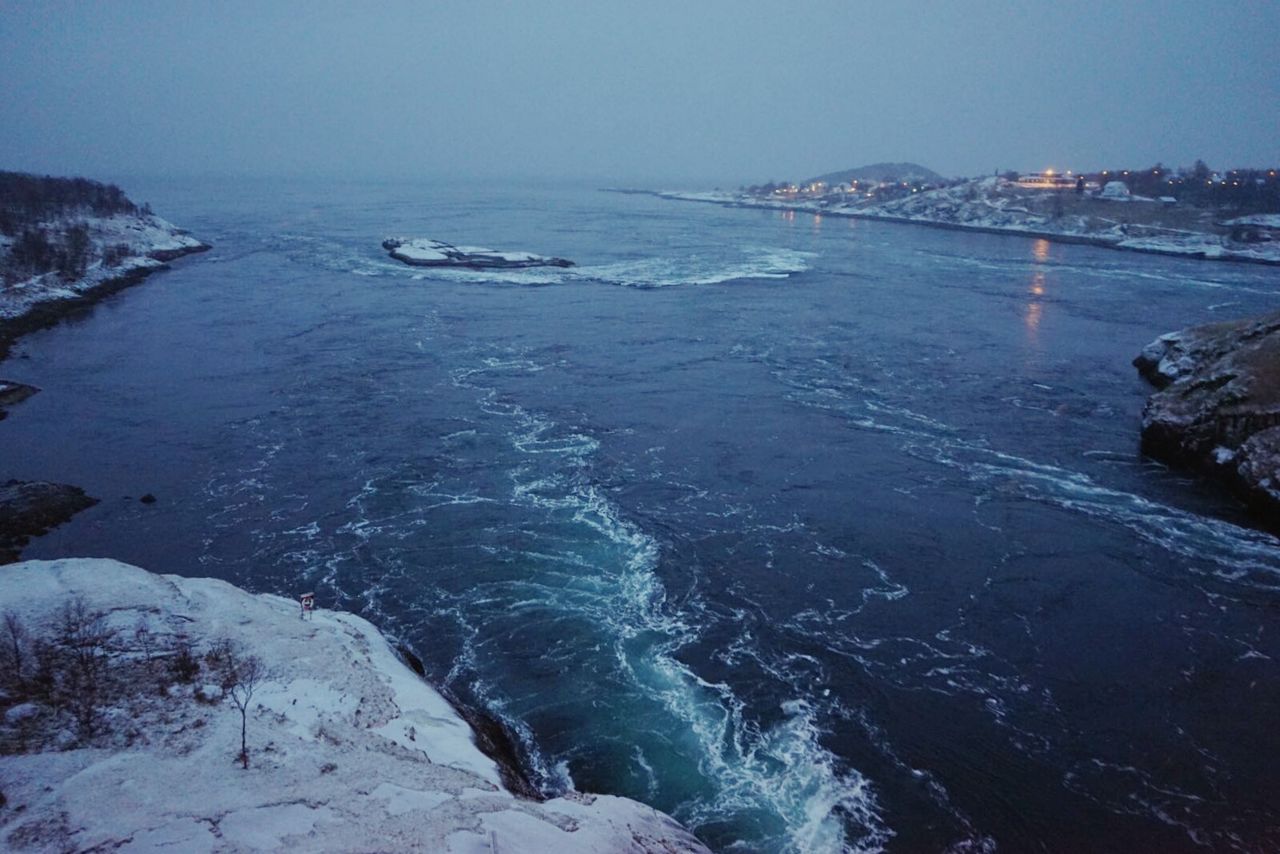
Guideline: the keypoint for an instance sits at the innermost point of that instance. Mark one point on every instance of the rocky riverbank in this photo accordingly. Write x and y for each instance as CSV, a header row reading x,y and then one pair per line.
x,y
123,250
12,393
31,508
1218,407
65,243
347,749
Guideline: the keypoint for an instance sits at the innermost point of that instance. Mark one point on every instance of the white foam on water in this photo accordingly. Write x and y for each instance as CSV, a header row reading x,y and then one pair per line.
x,y
784,770
1236,554
1229,554
782,773
526,276
1140,793
753,263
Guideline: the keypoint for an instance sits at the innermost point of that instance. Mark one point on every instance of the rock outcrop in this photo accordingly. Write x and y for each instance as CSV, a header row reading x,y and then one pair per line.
x,y
421,252
1218,407
31,508
12,393
348,749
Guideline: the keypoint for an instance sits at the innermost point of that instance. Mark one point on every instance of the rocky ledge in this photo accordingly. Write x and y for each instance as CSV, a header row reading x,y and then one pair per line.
x,y
420,252
121,730
31,508
1218,407
12,393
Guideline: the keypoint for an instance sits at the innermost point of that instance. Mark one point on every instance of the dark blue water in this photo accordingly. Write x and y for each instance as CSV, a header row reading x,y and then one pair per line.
x,y
818,534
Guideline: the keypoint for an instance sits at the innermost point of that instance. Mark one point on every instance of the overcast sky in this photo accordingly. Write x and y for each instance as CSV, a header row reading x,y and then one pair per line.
x,y
693,91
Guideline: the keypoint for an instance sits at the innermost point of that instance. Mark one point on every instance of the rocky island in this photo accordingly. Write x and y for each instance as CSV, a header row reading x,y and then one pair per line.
x,y
421,252
145,711
1218,405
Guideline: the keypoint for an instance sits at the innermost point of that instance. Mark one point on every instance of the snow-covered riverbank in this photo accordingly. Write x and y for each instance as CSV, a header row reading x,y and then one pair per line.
x,y
349,749
994,205
122,249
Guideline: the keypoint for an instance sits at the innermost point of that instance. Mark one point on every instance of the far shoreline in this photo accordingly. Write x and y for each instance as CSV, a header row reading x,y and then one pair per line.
x,y
1053,236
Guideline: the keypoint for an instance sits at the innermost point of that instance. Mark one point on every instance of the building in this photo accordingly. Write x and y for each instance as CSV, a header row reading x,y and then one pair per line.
x,y
1047,180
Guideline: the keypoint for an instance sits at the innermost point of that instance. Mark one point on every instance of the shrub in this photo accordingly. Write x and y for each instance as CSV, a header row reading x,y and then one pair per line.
x,y
183,665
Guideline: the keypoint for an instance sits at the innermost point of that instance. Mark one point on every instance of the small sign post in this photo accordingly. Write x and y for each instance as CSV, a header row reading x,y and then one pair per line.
x,y
308,605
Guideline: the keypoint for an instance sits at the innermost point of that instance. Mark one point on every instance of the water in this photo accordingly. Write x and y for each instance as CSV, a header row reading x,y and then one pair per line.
x,y
819,534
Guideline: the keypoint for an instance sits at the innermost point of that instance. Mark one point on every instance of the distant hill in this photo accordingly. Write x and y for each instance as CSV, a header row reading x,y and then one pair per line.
x,y
880,172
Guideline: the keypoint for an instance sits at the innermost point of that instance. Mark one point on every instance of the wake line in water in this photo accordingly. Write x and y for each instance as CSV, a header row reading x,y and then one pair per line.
x,y
1239,555
757,263
1127,273
779,780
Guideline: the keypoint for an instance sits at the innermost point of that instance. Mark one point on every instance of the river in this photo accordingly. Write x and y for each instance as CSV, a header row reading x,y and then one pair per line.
x,y
819,534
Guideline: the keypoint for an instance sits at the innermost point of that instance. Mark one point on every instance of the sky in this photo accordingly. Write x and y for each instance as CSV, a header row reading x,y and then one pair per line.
x,y
670,92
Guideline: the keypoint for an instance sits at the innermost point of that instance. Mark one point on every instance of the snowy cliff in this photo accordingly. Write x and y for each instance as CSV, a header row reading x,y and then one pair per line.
x,y
347,748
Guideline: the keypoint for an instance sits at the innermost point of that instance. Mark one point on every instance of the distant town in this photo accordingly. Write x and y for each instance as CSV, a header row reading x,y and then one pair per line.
x,y
1193,212
1244,190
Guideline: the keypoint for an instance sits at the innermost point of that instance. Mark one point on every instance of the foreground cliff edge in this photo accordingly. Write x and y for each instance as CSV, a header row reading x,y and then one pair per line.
x,y
347,748
1218,407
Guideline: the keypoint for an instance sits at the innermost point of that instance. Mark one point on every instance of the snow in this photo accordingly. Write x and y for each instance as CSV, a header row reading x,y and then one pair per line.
x,y
148,237
349,749
428,253
1259,220
1116,191
424,250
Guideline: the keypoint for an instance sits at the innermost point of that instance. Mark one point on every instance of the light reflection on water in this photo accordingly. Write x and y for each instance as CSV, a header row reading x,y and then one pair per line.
x,y
1035,305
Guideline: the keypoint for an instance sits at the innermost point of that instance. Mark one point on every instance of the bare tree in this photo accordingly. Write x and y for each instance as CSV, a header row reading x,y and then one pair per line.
x,y
240,675
142,634
15,640
82,638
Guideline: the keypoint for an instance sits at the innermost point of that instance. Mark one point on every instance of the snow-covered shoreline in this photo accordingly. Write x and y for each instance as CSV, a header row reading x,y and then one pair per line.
x,y
142,244
350,749
976,206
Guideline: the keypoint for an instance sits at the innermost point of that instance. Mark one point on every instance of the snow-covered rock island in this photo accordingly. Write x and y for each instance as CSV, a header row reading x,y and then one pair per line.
x,y
122,729
65,242
421,252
